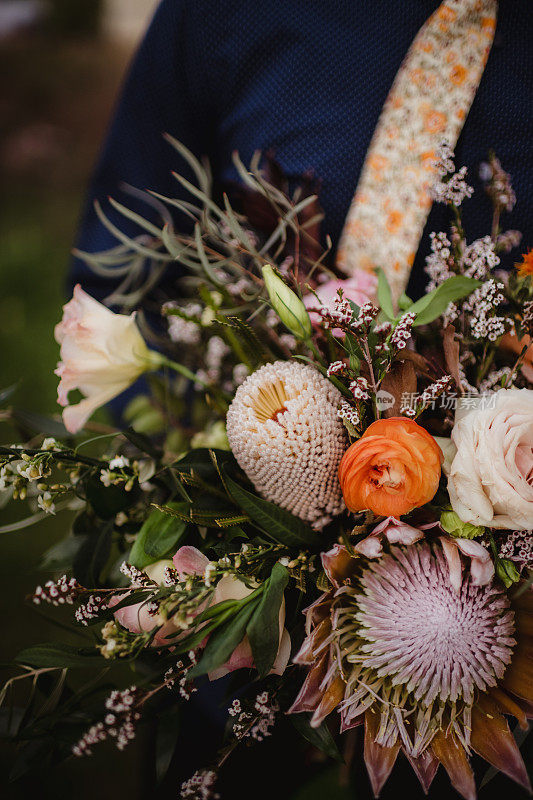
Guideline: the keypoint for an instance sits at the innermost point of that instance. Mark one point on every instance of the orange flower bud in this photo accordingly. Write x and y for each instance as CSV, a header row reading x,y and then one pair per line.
x,y
394,467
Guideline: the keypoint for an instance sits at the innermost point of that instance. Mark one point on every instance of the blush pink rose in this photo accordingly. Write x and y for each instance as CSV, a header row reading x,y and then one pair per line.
x,y
490,480
190,561
137,618
361,288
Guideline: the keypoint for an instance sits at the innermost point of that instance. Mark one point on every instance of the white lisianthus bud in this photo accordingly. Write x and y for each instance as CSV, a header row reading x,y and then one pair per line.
x,y
102,354
287,305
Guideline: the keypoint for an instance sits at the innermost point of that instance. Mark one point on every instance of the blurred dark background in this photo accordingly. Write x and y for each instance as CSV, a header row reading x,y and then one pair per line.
x,y
62,62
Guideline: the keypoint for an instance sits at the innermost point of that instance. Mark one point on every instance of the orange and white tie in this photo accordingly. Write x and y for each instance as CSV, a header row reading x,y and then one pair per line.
x,y
427,105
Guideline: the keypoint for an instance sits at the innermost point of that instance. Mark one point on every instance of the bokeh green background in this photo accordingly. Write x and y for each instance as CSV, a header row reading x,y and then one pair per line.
x,y
59,83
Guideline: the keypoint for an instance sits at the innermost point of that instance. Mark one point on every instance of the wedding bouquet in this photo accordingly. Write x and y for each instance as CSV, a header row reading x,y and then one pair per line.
x,y
305,440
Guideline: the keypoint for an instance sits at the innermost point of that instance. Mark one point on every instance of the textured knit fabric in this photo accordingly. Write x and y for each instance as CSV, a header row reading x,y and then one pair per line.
x,y
308,79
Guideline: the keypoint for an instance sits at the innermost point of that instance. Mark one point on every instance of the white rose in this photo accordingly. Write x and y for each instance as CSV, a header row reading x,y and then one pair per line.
x,y
490,480
102,354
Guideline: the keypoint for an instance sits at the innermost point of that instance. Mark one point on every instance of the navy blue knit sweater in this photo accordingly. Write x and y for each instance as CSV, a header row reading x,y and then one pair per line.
x,y
306,79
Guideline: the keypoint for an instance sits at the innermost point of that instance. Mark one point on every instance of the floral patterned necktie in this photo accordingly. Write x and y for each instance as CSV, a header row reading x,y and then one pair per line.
x,y
427,105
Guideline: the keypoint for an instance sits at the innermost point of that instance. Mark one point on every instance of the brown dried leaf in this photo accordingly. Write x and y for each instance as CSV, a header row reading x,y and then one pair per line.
x,y
451,353
400,380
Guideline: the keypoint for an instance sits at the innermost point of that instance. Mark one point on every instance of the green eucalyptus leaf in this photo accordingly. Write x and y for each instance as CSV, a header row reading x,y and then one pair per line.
x,y
200,462
107,501
435,303
223,641
143,443
62,554
385,295
92,556
58,655
159,536
37,423
278,524
319,737
263,628
165,743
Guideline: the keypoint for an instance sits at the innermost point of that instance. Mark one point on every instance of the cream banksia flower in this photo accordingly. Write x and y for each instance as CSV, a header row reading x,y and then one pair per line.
x,y
284,431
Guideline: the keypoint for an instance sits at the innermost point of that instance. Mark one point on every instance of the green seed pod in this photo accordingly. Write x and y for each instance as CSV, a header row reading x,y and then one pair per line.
x,y
287,305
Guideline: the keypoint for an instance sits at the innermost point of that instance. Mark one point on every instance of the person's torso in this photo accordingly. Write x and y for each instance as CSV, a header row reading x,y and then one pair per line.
x,y
307,79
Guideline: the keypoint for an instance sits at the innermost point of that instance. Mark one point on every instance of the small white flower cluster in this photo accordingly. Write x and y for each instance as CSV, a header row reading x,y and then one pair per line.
x,y
138,579
479,258
340,314
349,413
255,724
33,470
240,373
402,332
170,576
493,379
284,431
359,389
483,303
518,547
288,340
429,395
50,444
454,188
118,724
498,184
200,786
115,474
179,673
46,503
64,590
90,610
215,352
183,329
438,262
445,159
367,314
508,240
336,368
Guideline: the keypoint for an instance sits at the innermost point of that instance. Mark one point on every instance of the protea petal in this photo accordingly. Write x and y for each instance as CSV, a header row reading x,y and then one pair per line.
x,y
338,564
307,652
330,700
492,739
310,694
453,758
507,705
524,623
523,600
425,766
518,677
379,760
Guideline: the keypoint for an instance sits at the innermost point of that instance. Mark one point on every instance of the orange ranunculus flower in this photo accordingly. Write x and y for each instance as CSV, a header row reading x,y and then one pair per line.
x,y
525,267
394,467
